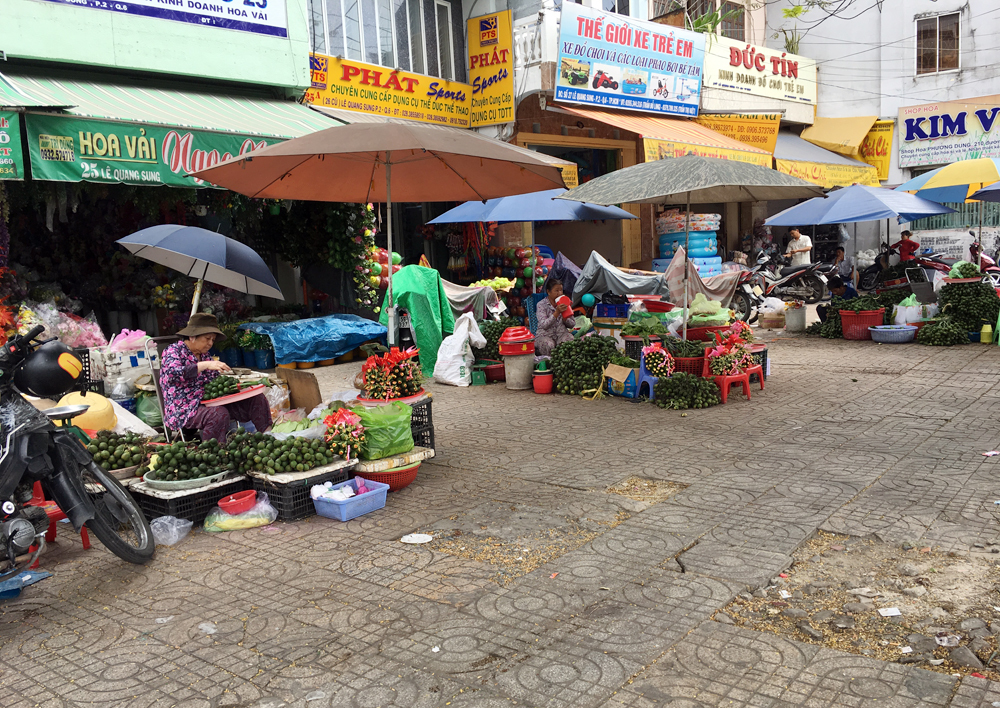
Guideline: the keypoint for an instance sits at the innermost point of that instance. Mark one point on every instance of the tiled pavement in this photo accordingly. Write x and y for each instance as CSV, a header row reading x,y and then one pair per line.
x,y
851,437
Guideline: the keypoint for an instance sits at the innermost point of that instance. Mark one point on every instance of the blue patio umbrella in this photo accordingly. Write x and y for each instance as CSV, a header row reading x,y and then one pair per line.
x,y
535,206
205,255
858,203
987,194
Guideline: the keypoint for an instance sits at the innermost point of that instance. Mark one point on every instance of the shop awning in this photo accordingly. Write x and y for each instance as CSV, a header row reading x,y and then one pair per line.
x,y
156,133
672,137
842,135
797,157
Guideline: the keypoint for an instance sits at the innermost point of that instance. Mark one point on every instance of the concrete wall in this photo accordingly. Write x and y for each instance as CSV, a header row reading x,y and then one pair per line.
x,y
47,31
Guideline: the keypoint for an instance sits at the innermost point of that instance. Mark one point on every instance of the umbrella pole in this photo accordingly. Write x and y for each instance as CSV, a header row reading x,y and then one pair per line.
x,y
388,217
980,263
687,242
196,298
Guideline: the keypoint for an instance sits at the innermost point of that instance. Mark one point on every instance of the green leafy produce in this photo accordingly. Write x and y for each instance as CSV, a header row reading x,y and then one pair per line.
x,y
645,327
942,333
686,391
968,270
683,348
260,452
113,452
294,426
183,461
577,366
621,360
492,330
970,305
220,386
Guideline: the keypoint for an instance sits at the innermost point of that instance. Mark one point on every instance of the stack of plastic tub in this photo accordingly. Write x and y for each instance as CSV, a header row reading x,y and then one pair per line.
x,y
699,231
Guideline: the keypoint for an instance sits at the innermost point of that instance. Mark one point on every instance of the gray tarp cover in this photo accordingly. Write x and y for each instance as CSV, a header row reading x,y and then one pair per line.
x,y
479,301
599,276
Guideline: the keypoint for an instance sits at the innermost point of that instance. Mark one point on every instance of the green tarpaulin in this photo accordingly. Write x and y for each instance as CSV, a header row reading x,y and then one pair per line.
x,y
419,291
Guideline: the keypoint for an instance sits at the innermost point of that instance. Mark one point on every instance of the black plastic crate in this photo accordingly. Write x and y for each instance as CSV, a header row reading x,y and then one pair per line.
x,y
87,382
761,359
193,507
292,499
421,415
424,436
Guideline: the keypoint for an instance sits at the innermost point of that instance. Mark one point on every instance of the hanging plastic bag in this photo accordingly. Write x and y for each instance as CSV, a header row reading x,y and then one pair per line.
x,y
261,514
387,430
455,357
168,530
148,410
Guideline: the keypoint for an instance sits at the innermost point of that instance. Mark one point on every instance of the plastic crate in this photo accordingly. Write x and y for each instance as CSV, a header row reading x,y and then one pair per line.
x,y
689,365
194,506
292,499
421,415
355,506
87,382
856,324
760,359
604,310
634,345
423,437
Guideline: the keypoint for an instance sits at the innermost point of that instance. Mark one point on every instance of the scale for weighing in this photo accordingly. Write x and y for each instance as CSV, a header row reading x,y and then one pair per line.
x,y
917,280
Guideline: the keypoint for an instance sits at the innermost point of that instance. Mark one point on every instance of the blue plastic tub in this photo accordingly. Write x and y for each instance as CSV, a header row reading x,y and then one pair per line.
x,y
356,506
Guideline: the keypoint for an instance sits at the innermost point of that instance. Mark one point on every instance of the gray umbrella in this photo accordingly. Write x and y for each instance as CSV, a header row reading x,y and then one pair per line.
x,y
691,178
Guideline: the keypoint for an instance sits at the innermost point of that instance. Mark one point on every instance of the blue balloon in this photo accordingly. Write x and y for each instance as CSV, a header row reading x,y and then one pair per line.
x,y
588,300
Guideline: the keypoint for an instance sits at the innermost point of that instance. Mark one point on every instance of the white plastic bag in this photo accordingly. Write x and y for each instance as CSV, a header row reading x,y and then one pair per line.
x,y
771,305
938,280
168,530
455,357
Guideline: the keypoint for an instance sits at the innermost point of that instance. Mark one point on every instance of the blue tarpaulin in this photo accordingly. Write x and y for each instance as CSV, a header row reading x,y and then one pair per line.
x,y
318,338
11,587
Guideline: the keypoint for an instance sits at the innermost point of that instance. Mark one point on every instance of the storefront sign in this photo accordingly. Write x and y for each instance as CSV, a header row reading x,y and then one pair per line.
x,y
660,149
829,175
949,131
491,68
257,16
570,175
11,159
66,149
759,131
876,148
613,61
747,68
368,88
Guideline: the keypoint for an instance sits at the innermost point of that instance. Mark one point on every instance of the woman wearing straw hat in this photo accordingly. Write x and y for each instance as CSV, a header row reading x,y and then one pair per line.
x,y
185,369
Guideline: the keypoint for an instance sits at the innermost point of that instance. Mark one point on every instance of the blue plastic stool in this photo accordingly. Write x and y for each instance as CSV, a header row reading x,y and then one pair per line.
x,y
647,381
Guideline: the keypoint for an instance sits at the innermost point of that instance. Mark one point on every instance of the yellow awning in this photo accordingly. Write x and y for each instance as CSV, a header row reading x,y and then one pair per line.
x,y
843,135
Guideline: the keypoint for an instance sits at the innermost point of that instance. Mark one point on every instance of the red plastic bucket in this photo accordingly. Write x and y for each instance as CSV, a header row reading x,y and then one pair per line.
x,y
239,502
542,382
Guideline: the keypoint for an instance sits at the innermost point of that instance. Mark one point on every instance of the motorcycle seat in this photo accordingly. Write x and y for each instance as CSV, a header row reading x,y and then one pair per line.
x,y
788,270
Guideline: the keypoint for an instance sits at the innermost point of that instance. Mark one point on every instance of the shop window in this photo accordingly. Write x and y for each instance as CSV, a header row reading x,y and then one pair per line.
x,y
446,47
734,21
937,44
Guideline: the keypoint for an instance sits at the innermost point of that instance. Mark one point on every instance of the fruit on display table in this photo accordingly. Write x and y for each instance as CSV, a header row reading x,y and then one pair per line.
x,y
263,453
114,452
220,386
183,461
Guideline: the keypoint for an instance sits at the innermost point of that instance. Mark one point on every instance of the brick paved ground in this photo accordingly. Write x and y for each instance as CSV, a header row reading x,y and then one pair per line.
x,y
852,437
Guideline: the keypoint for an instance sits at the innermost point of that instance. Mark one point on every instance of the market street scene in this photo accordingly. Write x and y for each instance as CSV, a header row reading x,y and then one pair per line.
x,y
436,353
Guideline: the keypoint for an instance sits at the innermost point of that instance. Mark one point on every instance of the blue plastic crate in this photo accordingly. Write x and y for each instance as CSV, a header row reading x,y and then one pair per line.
x,y
356,506
605,310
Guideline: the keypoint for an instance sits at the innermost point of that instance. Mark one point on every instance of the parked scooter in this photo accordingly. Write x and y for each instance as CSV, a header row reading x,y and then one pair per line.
x,y
769,279
988,265
871,277
33,449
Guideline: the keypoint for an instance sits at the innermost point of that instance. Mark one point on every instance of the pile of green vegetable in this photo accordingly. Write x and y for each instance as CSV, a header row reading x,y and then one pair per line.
x,y
183,461
942,333
492,330
577,366
113,452
220,386
645,327
620,359
970,305
256,451
686,391
683,348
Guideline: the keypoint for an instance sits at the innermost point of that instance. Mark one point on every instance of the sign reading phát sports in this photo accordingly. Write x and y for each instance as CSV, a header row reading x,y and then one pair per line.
x,y
258,16
381,91
614,61
491,68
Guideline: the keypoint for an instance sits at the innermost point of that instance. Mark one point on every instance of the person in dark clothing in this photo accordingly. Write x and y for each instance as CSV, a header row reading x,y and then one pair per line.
x,y
838,288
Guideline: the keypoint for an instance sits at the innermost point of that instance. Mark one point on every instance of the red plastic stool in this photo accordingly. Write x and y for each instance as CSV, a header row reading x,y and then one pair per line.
x,y
724,382
756,369
55,515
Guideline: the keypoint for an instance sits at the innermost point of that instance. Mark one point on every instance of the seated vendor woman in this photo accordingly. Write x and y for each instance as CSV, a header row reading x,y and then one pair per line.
x,y
553,328
185,368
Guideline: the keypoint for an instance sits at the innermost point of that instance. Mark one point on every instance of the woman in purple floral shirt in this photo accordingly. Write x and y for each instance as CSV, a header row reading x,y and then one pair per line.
x,y
185,368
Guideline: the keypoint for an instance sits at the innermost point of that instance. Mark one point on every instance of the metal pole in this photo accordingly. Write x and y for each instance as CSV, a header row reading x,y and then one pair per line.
x,y
196,299
980,263
388,217
687,242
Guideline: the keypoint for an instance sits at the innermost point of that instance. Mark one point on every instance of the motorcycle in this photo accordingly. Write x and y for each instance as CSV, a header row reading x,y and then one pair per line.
x,y
988,265
35,450
871,277
602,80
767,279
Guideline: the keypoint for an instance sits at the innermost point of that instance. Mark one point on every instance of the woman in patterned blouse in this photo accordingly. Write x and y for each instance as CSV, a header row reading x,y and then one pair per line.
x,y
185,368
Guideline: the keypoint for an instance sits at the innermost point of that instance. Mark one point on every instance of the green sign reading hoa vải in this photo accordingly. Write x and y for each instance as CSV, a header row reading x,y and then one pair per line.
x,y
71,149
11,157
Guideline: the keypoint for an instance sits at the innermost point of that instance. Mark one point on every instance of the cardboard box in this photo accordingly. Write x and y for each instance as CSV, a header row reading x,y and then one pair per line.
x,y
622,381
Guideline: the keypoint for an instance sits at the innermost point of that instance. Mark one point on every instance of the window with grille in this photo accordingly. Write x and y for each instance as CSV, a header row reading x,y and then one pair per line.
x,y
937,44
620,7
734,21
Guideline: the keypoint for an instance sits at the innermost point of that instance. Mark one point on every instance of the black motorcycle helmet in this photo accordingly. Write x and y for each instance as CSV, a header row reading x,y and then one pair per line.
x,y
49,372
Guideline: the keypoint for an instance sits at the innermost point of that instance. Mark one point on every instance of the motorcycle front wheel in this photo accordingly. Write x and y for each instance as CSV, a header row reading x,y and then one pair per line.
x,y
119,522
816,288
869,281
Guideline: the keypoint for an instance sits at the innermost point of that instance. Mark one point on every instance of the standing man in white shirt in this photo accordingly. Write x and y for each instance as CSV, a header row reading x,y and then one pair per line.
x,y
799,248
